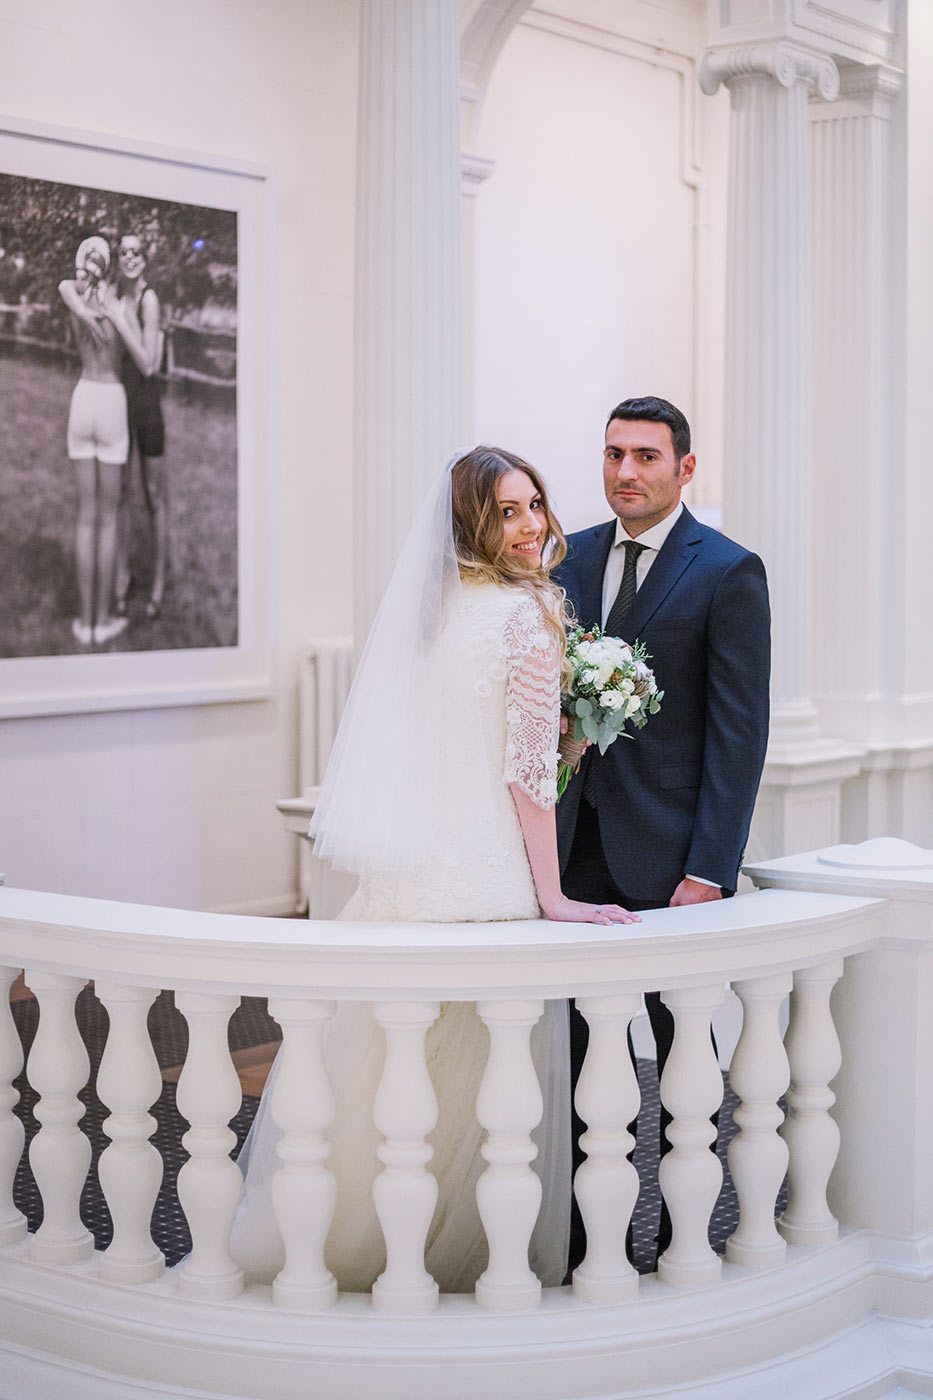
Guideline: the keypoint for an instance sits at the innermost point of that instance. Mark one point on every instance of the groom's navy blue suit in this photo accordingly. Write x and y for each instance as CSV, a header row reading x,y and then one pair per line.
x,y
677,799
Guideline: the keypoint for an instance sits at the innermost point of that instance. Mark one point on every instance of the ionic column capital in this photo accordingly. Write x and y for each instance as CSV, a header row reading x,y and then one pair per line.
x,y
474,172
786,63
870,80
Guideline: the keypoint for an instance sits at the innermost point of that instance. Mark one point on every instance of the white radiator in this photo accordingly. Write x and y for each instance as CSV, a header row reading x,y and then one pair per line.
x,y
326,670
324,683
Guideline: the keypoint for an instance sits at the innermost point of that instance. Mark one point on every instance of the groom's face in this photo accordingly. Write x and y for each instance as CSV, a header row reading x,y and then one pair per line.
x,y
642,477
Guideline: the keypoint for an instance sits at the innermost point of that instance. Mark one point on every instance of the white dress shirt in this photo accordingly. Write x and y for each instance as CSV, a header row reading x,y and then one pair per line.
x,y
612,577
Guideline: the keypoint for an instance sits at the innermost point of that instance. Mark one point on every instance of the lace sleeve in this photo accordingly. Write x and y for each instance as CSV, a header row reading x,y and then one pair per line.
x,y
532,704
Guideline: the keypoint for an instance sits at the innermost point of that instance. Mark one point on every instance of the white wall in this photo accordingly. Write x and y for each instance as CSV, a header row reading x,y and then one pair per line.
x,y
175,806
600,239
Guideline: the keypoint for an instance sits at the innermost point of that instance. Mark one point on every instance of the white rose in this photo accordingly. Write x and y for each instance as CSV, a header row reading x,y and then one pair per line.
x,y
633,706
612,700
588,677
626,686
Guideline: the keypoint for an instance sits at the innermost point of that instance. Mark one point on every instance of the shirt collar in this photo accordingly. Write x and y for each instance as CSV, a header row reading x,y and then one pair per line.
x,y
653,538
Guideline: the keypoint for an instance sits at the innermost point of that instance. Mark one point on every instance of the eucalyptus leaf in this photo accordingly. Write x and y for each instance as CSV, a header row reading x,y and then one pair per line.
x,y
590,728
584,707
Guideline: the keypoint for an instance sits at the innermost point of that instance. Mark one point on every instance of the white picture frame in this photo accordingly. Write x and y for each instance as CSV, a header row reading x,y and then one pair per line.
x,y
238,668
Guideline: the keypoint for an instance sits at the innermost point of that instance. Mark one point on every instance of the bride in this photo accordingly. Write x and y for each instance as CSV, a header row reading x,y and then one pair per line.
x,y
440,794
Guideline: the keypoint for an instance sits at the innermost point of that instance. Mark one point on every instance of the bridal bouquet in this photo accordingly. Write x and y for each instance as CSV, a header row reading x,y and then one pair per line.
x,y
613,685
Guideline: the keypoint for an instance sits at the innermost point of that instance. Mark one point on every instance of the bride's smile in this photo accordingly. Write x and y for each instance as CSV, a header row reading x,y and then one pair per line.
x,y
524,519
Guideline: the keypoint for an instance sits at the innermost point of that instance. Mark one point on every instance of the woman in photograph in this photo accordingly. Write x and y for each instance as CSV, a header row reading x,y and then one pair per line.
x,y
440,794
140,306
98,440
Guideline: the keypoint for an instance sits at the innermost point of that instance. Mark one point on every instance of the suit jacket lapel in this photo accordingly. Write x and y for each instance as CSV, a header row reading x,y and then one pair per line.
x,y
592,565
675,555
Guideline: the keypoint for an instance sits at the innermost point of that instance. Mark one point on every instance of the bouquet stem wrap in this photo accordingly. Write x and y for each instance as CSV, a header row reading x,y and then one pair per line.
x,y
571,751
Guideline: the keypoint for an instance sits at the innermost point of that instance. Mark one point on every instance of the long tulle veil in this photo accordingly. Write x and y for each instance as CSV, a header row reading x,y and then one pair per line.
x,y
382,794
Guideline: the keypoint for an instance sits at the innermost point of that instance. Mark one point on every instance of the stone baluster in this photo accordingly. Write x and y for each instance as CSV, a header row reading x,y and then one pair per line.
x,y
811,1135
691,1175
209,1183
12,1221
405,1192
509,1105
303,1189
606,1184
757,1155
59,1154
130,1169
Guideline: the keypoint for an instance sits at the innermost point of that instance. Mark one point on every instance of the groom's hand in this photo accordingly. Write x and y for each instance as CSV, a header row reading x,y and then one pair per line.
x,y
694,892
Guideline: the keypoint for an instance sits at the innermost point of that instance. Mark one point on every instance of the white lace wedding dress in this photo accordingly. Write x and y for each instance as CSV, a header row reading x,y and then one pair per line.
x,y
477,870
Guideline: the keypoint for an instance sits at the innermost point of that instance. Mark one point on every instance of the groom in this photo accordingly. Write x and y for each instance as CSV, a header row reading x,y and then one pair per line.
x,y
663,819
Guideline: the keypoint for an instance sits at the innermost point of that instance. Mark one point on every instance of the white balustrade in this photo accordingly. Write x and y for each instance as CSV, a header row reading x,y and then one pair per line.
x,y
691,1175
606,1184
304,1190
209,1183
256,1341
405,1193
811,1135
59,1154
509,1105
759,1075
130,1169
12,1135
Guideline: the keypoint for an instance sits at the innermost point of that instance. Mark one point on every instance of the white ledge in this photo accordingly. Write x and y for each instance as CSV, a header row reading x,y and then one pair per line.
x,y
751,935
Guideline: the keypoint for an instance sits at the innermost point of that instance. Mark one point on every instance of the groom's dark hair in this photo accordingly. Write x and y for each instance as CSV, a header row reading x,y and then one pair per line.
x,y
654,410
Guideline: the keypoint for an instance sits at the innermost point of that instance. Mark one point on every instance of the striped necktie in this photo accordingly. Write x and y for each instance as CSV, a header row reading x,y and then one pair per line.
x,y
626,594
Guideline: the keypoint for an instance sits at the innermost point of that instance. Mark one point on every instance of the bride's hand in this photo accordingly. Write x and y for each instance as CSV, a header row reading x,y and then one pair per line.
x,y
575,911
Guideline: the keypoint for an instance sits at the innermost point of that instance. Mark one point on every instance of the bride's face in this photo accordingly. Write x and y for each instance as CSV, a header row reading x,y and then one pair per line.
x,y
524,520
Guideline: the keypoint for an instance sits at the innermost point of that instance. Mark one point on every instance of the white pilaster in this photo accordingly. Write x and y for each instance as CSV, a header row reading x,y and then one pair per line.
x,y
407,359
855,589
767,465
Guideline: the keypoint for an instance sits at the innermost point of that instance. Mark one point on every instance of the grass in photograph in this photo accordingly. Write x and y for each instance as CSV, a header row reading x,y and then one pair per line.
x,y
38,510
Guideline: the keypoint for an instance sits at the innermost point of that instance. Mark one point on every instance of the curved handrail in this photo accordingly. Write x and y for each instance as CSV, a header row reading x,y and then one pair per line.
x,y
749,936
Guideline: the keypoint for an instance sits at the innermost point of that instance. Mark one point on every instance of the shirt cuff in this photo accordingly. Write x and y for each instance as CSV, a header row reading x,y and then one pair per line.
x,y
700,881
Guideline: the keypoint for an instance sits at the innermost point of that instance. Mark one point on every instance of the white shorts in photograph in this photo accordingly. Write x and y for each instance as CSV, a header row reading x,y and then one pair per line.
x,y
97,422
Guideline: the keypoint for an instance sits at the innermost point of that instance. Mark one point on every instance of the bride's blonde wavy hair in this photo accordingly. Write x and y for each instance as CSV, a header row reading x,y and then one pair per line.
x,y
479,537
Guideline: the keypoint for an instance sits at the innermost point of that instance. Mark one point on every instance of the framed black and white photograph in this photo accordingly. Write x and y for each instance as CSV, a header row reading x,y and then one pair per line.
x,y
135,477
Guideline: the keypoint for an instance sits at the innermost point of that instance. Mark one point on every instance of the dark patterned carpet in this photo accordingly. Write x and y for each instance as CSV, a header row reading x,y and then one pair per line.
x,y
251,1025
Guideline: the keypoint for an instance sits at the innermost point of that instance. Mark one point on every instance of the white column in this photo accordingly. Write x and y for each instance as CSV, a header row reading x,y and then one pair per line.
x,y
859,574
59,1154
508,1193
767,464
405,1192
407,364
759,1074
811,1134
304,1190
209,1183
606,1184
690,1175
12,1221
130,1169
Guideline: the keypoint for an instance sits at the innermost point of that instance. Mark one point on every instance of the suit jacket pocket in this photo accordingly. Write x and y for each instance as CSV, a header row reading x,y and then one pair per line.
x,y
679,775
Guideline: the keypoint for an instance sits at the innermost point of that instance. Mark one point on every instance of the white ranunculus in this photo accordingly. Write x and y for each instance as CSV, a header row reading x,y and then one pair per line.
x,y
612,700
588,677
